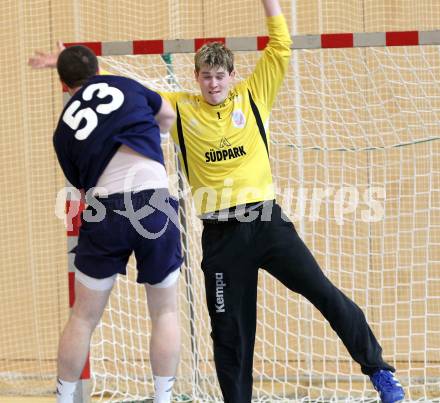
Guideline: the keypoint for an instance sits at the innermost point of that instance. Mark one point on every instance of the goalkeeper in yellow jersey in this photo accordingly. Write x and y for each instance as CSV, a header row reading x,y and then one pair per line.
x,y
224,147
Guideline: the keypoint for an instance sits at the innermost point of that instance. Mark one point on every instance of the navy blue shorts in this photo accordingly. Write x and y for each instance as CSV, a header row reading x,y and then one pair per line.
x,y
144,222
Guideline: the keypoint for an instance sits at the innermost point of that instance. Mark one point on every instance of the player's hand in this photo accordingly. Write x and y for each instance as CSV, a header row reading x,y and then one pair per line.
x,y
41,60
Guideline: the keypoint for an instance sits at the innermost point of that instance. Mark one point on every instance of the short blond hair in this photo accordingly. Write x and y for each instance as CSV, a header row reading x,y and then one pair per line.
x,y
214,54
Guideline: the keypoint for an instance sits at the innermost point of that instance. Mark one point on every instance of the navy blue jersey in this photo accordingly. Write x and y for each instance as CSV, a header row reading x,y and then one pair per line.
x,y
106,112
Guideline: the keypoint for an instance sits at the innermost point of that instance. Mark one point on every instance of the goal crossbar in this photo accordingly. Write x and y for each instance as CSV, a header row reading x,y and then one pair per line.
x,y
322,41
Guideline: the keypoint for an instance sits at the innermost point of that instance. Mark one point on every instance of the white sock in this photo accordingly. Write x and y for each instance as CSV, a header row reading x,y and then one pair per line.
x,y
65,391
163,386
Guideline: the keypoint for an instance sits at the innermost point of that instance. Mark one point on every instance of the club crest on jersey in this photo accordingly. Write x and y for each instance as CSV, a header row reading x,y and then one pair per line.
x,y
238,119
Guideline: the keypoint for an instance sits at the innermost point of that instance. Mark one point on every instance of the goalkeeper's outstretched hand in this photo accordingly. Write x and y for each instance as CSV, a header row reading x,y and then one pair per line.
x,y
41,60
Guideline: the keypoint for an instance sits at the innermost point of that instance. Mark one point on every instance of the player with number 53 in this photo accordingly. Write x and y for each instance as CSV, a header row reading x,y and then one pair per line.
x,y
108,144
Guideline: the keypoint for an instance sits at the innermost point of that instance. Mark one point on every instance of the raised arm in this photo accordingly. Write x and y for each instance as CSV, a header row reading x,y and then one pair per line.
x,y
41,60
270,70
271,7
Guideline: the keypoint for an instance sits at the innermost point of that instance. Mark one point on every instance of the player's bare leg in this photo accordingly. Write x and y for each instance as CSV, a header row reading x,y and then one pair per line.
x,y
165,339
75,340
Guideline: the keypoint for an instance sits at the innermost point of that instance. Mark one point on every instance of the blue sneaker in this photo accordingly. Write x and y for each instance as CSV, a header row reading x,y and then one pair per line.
x,y
389,388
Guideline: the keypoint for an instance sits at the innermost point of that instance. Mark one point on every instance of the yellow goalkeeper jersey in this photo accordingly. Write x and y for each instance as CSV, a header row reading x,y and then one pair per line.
x,y
224,148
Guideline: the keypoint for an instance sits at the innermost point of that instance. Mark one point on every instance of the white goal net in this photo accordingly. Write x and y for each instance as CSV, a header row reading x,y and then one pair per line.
x,y
356,158
355,154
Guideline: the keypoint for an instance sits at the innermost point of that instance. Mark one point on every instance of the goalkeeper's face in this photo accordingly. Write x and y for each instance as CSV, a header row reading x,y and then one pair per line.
x,y
214,83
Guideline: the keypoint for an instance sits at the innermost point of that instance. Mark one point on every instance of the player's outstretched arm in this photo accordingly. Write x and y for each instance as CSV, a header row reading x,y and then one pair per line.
x,y
165,117
41,60
270,70
271,7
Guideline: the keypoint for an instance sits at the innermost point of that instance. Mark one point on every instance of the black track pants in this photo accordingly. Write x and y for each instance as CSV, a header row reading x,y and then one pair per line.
x,y
232,254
